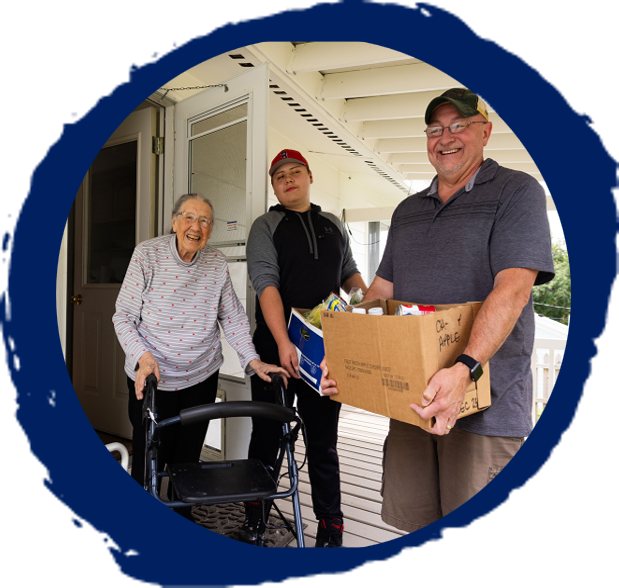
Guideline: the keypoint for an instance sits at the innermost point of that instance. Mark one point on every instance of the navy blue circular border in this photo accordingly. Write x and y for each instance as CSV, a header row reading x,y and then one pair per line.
x,y
171,550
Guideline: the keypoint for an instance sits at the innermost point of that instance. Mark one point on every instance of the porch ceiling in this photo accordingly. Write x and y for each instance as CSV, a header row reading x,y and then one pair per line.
x,y
356,106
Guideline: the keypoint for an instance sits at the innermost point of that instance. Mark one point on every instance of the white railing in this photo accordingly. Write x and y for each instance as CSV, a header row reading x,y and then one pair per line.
x,y
545,365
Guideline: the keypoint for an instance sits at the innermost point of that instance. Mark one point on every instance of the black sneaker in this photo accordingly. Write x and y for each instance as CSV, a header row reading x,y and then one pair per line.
x,y
253,526
329,532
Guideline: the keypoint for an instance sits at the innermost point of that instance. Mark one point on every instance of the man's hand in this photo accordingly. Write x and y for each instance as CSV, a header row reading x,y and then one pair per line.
x,y
147,365
327,386
443,397
288,359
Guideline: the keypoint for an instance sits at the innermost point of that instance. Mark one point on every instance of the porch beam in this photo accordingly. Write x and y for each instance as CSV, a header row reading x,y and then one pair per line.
x,y
421,175
499,141
408,168
413,127
408,157
391,129
505,156
308,57
398,79
409,105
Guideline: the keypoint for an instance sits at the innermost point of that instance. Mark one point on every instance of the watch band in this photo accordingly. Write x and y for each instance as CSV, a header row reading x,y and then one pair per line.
x,y
474,366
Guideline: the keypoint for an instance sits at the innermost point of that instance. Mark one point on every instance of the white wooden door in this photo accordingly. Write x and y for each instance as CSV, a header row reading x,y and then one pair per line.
x,y
114,211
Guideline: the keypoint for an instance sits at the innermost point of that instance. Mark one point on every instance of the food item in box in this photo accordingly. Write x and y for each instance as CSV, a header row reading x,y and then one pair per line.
x,y
313,316
416,309
356,296
332,302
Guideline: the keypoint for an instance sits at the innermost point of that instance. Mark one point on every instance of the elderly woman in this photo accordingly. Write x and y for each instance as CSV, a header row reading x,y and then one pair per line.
x,y
176,291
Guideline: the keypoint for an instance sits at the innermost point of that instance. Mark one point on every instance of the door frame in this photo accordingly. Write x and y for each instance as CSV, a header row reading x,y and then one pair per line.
x,y
148,175
152,224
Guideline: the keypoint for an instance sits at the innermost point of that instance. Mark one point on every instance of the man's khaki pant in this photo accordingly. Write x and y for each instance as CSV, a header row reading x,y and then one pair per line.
x,y
425,477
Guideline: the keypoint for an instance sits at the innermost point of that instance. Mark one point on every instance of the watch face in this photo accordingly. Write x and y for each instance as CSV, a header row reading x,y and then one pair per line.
x,y
476,372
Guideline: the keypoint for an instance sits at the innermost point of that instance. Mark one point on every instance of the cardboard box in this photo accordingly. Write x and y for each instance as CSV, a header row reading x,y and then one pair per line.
x,y
382,364
308,342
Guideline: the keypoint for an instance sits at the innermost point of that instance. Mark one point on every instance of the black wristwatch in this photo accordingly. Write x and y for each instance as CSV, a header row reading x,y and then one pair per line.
x,y
473,365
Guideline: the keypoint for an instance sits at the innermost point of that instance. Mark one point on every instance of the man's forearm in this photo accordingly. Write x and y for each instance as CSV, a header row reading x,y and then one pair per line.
x,y
379,288
494,322
499,312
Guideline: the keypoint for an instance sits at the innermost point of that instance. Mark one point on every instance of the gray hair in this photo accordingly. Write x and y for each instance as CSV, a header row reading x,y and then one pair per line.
x,y
184,198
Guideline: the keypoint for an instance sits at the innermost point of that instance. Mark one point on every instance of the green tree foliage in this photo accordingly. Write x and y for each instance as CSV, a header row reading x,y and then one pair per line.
x,y
557,292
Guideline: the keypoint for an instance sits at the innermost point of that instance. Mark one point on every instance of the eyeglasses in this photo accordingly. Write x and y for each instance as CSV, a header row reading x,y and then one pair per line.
x,y
190,218
454,129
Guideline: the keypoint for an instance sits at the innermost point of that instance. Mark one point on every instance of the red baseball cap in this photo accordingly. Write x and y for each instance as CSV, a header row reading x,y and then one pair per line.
x,y
287,156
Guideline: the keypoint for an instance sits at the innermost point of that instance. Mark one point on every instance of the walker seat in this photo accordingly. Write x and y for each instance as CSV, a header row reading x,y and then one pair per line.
x,y
206,483
222,482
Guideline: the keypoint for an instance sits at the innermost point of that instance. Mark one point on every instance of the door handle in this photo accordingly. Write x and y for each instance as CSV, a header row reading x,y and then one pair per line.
x,y
77,300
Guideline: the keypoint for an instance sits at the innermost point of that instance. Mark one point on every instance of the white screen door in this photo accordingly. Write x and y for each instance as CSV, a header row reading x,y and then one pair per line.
x,y
221,152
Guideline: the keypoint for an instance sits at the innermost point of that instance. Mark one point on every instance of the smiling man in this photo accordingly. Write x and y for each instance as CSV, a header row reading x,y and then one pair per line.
x,y
296,255
478,233
456,154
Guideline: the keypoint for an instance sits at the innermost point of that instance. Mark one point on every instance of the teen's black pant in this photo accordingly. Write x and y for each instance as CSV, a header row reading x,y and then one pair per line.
x,y
320,415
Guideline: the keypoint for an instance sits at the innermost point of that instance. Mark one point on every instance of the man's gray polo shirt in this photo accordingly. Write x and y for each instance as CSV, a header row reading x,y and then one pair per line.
x,y
450,253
